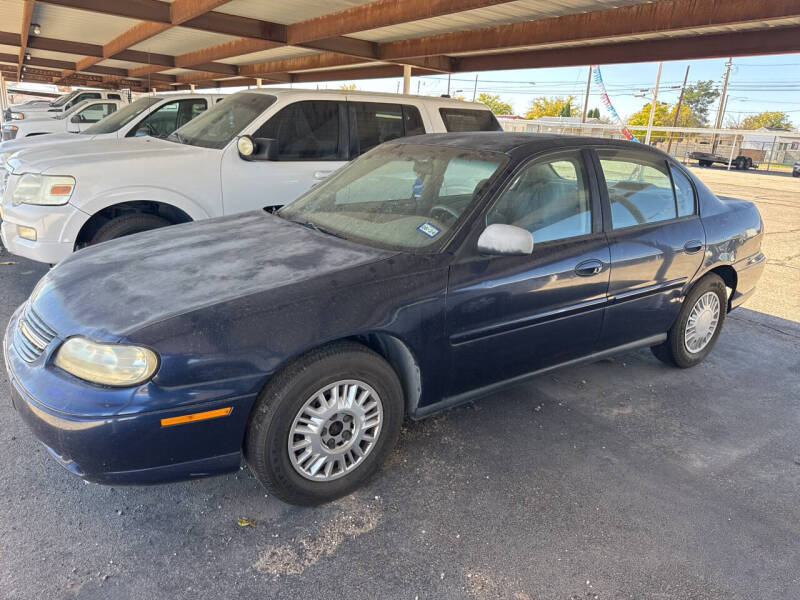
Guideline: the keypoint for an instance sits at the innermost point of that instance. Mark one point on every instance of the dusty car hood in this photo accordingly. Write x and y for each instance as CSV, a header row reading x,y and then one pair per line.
x,y
114,288
55,161
19,144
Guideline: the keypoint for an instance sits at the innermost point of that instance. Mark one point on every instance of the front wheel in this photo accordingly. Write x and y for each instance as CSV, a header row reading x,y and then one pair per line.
x,y
698,325
324,424
126,225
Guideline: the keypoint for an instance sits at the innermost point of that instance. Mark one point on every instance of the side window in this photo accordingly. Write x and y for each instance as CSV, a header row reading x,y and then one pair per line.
x,y
548,197
307,130
684,193
189,109
376,122
114,97
639,189
466,119
161,122
412,120
95,112
86,96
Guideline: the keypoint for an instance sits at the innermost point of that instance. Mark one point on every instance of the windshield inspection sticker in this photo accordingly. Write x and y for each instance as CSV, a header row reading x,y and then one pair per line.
x,y
428,229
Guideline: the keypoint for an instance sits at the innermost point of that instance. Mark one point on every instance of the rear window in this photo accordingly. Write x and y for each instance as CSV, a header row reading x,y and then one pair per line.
x,y
466,119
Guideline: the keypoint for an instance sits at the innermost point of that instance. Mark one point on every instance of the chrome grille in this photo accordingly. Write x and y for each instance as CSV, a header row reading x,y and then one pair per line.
x,y
32,335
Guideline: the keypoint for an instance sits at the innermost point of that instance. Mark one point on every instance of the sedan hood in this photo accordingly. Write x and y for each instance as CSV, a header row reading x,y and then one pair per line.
x,y
55,161
115,288
19,144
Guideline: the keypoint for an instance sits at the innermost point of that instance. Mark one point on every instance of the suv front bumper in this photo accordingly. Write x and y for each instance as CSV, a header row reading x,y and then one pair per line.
x,y
56,228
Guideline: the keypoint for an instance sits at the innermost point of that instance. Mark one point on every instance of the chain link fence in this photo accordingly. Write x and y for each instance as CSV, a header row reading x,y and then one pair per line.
x,y
768,150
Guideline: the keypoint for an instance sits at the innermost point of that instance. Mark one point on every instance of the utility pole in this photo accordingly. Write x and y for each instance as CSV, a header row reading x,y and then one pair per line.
x,y
448,84
678,108
653,106
475,89
586,101
721,108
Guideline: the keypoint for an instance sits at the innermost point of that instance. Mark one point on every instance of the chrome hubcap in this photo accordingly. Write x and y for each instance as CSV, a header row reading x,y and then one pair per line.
x,y
335,430
702,322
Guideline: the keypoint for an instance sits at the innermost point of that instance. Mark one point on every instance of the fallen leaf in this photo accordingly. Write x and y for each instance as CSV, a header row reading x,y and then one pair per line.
x,y
246,522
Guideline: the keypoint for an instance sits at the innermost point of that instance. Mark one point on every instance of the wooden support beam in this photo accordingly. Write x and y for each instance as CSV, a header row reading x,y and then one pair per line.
x,y
322,60
224,50
637,19
27,15
781,40
373,15
185,10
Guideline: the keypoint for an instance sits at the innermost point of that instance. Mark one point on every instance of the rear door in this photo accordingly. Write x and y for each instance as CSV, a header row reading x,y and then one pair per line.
x,y
373,123
511,315
656,241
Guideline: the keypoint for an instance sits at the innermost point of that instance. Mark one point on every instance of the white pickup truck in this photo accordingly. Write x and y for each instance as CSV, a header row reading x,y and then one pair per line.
x,y
79,117
157,116
257,148
19,112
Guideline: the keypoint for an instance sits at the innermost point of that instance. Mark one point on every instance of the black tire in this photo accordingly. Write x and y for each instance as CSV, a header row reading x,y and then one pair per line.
x,y
795,173
741,163
267,438
748,163
674,351
705,163
126,225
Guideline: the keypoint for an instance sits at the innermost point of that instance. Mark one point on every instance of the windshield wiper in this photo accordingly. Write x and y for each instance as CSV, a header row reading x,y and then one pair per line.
x,y
315,227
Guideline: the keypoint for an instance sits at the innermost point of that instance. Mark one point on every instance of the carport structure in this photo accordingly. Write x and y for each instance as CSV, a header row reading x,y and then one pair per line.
x,y
162,45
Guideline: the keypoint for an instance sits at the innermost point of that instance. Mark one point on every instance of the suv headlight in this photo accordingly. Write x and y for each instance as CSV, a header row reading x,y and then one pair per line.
x,y
46,190
117,365
17,115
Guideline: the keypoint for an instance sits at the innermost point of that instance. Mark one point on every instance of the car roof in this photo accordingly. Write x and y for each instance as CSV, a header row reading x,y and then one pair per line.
x,y
438,100
511,142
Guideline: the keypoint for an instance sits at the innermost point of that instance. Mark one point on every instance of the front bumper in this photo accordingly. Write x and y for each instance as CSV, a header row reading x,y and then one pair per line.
x,y
56,228
128,447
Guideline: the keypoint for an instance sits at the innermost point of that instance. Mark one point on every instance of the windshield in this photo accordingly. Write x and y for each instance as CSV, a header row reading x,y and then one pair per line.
x,y
402,197
219,125
64,99
122,117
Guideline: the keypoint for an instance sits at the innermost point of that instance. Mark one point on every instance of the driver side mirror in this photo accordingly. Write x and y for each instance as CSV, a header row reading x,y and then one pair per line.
x,y
142,131
76,119
257,148
505,240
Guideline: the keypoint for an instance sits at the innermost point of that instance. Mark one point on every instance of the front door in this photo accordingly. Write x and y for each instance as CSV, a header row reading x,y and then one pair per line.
x,y
312,143
511,315
656,242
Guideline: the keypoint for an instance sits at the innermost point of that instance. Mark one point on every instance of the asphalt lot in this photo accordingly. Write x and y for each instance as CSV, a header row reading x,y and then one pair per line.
x,y
619,479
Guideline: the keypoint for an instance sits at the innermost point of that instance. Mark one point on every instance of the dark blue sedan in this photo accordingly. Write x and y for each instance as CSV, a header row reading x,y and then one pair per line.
x,y
428,272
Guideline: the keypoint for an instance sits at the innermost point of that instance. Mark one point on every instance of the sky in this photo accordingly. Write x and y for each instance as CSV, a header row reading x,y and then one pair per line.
x,y
756,84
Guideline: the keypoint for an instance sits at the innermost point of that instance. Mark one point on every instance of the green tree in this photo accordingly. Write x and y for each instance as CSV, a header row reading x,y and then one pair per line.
x,y
551,107
664,117
699,97
497,106
594,113
774,119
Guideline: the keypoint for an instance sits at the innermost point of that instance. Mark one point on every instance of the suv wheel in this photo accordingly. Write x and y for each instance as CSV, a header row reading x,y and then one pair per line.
x,y
126,225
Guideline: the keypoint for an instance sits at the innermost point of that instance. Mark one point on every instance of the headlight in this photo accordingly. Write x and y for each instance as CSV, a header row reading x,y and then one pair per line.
x,y
48,190
117,365
17,116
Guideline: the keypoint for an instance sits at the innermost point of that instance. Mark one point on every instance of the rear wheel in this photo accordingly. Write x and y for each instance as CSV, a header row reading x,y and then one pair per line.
x,y
741,163
126,225
698,325
705,163
324,424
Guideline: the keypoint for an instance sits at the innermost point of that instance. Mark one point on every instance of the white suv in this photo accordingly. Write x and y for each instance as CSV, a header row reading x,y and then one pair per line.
x,y
256,148
19,112
157,116
79,117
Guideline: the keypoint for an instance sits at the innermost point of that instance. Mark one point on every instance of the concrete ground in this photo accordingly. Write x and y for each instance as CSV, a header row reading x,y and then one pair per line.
x,y
619,479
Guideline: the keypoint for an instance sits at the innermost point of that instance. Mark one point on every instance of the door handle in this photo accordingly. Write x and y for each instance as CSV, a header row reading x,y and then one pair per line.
x,y
589,267
692,246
